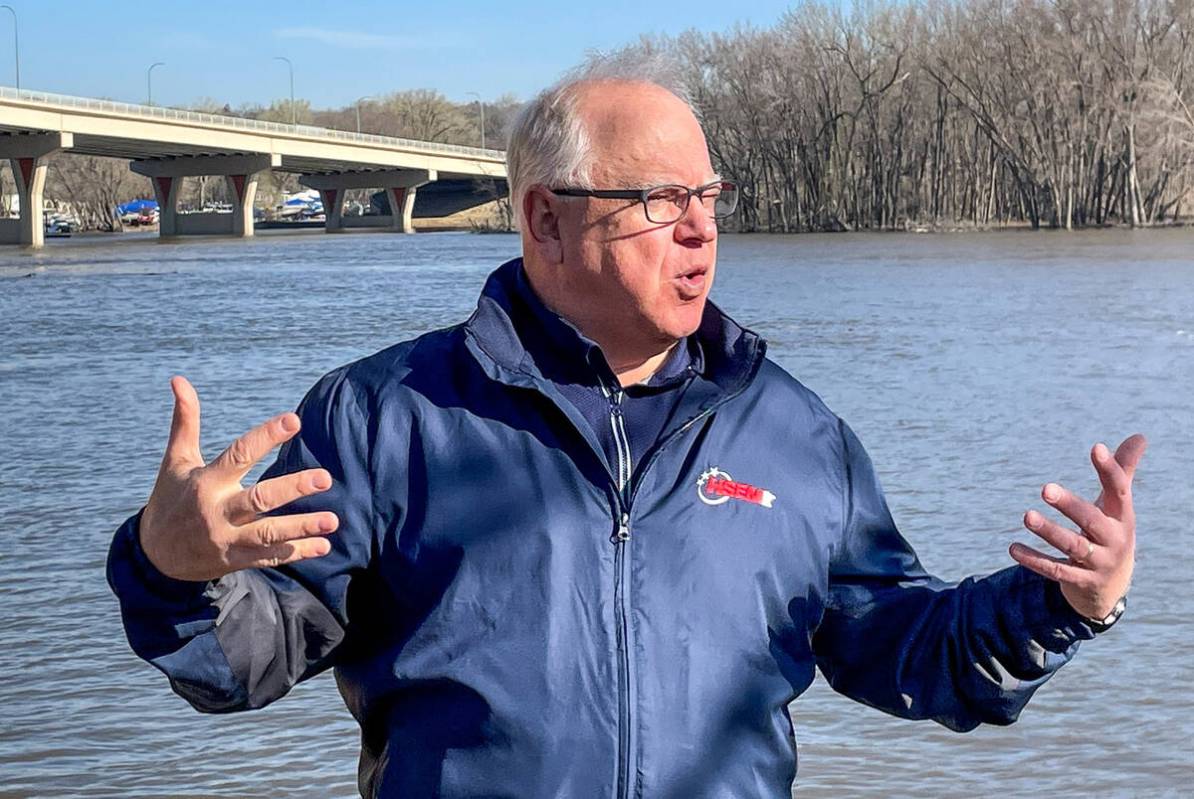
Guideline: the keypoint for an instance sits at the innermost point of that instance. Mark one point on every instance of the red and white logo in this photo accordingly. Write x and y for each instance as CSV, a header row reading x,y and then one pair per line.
x,y
716,487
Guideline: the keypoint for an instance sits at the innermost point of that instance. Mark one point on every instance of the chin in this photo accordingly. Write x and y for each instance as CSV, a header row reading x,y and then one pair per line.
x,y
683,321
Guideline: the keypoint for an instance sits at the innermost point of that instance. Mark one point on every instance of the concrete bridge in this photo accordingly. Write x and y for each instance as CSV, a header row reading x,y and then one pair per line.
x,y
167,145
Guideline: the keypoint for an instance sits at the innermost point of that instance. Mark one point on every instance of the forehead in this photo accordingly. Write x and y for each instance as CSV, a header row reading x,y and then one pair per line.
x,y
641,134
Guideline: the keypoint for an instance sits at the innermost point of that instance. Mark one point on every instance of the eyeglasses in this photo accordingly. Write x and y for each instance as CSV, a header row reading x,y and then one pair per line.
x,y
668,203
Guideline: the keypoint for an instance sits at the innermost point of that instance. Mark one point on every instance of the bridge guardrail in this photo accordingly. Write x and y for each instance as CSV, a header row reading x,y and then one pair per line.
x,y
240,123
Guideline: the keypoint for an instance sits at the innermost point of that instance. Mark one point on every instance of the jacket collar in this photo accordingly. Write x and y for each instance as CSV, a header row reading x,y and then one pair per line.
x,y
731,354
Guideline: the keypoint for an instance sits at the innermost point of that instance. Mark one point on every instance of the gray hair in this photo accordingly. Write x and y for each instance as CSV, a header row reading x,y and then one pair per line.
x,y
548,143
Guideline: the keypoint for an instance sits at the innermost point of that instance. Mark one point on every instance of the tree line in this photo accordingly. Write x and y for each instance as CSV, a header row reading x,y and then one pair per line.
x,y
1058,113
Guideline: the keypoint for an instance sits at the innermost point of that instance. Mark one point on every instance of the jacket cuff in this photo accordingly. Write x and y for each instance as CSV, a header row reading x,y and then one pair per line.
x,y
141,568
1049,617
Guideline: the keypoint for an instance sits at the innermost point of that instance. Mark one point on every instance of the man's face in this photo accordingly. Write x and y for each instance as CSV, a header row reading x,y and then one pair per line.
x,y
639,280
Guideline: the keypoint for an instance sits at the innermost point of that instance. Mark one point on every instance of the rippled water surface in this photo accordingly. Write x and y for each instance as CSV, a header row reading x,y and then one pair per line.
x,y
974,367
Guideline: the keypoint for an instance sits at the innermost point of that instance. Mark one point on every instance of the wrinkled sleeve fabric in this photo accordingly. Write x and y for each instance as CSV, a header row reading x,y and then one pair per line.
x,y
244,640
898,639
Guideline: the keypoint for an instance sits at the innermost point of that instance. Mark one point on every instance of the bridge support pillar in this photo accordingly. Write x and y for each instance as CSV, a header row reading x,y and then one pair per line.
x,y
243,189
165,190
240,171
400,186
27,154
402,207
333,209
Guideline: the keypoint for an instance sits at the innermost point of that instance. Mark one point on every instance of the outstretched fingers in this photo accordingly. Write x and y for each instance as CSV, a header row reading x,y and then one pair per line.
x,y
1078,548
267,495
1097,569
278,554
1089,518
275,540
240,456
272,530
1053,568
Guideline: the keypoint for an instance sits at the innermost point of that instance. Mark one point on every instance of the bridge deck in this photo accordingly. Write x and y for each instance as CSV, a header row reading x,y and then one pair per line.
x,y
137,132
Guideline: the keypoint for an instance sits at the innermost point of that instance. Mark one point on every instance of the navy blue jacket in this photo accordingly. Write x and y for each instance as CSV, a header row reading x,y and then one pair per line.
x,y
510,614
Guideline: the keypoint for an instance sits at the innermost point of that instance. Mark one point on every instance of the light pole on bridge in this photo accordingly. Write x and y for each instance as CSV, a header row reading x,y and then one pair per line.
x,y
16,44
359,101
290,66
480,105
149,81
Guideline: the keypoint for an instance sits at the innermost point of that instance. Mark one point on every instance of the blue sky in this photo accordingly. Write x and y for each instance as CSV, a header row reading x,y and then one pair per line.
x,y
341,51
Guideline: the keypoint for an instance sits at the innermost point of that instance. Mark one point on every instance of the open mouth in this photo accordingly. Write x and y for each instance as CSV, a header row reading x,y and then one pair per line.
x,y
692,282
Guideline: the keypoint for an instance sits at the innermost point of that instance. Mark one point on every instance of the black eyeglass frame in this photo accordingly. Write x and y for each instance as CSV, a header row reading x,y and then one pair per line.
x,y
643,194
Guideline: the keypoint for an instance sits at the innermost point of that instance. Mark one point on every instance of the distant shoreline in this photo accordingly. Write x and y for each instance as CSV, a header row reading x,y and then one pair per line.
x,y
948,228
438,226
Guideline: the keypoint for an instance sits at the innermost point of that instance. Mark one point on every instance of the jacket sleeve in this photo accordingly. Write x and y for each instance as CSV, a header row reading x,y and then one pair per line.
x,y
244,640
896,638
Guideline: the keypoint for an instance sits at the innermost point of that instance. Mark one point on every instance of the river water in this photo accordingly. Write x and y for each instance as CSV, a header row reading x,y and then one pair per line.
x,y
974,367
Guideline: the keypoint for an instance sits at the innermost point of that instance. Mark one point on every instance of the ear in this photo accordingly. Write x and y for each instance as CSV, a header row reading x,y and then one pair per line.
x,y
541,210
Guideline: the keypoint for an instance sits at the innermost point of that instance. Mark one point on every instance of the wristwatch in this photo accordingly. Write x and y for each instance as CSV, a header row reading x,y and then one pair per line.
x,y
1105,623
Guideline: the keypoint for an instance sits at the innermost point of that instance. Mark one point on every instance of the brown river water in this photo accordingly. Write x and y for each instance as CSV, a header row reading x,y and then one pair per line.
x,y
975,367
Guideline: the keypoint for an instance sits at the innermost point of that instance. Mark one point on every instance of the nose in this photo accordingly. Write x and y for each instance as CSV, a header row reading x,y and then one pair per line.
x,y
696,226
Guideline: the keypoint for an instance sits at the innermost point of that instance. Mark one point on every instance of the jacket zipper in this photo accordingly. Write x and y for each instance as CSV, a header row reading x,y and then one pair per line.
x,y
621,541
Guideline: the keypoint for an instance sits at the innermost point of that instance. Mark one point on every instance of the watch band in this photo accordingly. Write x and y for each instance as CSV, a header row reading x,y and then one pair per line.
x,y
1105,623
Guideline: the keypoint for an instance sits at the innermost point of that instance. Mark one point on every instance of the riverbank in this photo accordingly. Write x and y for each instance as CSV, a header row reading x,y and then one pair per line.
x,y
962,227
483,219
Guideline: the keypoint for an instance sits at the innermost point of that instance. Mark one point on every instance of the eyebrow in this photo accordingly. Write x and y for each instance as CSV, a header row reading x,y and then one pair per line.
x,y
657,180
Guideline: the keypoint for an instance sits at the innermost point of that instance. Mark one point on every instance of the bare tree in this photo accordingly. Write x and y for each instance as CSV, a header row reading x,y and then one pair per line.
x,y
950,112
93,187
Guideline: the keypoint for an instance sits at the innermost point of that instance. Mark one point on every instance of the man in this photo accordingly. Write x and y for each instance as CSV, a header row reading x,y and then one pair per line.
x,y
591,542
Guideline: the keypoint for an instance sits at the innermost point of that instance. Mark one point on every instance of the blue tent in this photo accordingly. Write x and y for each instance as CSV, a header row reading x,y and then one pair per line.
x,y
136,207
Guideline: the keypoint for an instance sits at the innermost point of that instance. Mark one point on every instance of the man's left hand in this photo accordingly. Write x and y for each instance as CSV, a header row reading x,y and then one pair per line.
x,y
1098,566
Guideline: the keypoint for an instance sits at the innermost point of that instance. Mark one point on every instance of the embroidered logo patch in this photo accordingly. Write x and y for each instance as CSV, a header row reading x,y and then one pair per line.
x,y
716,487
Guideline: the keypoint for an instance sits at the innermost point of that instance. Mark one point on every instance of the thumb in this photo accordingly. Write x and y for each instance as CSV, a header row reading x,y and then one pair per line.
x,y
183,446
1129,453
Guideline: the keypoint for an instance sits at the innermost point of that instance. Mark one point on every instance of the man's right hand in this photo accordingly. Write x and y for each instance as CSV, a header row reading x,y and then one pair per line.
x,y
201,524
